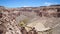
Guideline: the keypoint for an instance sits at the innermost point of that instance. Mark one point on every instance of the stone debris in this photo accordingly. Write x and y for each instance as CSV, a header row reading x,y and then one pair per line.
x,y
8,21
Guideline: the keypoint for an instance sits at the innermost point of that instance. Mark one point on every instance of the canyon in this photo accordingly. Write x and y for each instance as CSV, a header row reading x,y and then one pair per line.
x,y
41,18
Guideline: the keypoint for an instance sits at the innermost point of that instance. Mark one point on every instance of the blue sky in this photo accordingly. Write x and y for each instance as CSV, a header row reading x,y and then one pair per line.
x,y
27,3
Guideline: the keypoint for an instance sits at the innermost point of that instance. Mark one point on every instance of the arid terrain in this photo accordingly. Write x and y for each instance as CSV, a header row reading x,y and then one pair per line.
x,y
45,19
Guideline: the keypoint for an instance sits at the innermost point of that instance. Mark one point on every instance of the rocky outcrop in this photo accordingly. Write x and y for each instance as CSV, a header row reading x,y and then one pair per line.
x,y
8,24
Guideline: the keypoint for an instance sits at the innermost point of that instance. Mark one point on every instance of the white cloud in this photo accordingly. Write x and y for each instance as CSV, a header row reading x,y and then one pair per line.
x,y
26,6
49,3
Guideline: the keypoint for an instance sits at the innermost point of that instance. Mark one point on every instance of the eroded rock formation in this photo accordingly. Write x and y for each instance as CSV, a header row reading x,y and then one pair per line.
x,y
9,18
8,25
